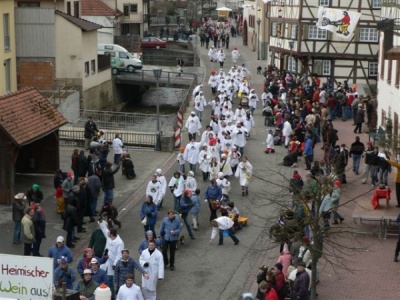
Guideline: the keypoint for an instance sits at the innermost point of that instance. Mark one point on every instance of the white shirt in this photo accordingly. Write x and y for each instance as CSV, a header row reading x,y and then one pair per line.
x,y
224,223
117,146
132,293
193,124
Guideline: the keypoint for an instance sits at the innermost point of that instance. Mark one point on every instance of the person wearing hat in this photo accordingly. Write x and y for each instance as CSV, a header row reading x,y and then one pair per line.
x,y
59,250
148,211
248,296
239,134
235,55
35,194
359,118
86,286
190,182
199,103
300,282
126,265
197,90
28,231
153,190
63,273
152,261
213,81
17,214
98,274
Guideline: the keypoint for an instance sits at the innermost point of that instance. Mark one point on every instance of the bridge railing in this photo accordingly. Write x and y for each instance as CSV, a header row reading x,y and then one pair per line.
x,y
168,76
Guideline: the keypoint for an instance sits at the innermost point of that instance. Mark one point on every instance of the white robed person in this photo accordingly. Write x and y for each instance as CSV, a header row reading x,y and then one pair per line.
x,y
191,154
235,55
152,261
244,172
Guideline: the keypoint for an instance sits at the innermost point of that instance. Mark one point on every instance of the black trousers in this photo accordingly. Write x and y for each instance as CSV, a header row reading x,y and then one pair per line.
x,y
396,253
27,249
172,247
398,193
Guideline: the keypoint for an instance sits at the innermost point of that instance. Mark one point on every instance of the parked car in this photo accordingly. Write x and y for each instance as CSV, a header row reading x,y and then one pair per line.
x,y
153,42
117,66
132,63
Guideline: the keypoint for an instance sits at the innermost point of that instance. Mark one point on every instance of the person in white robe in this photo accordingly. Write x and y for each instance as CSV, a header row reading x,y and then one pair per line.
x,y
199,103
152,262
129,291
190,182
161,178
191,154
154,189
244,172
287,132
270,142
204,163
193,125
235,55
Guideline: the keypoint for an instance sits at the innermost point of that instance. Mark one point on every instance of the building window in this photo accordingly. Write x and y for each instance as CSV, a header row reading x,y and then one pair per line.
x,y
373,69
368,35
6,31
376,3
87,68
126,10
383,118
293,32
292,64
76,9
322,67
7,73
68,8
273,29
315,33
134,8
93,66
324,2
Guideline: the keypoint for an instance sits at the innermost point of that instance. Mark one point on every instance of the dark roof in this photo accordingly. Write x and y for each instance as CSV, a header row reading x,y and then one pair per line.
x,y
26,116
81,23
97,8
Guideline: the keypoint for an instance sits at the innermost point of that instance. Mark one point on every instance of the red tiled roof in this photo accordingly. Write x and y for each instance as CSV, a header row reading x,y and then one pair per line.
x,y
81,23
96,8
26,116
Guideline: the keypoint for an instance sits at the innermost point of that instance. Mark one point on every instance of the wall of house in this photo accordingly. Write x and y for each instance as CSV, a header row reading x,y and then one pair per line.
x,y
9,55
68,41
100,97
89,53
36,72
7,173
105,35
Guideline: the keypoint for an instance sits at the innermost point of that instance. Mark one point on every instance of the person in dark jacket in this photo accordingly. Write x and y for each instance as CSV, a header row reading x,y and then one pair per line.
x,y
94,185
84,201
300,284
110,213
17,214
359,119
128,169
70,221
90,131
97,242
367,162
374,165
186,204
384,167
39,224
81,164
59,177
213,195
261,276
149,210
339,162
34,195
356,151
108,184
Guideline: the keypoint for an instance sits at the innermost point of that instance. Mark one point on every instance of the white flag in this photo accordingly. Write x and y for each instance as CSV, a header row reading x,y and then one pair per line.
x,y
341,22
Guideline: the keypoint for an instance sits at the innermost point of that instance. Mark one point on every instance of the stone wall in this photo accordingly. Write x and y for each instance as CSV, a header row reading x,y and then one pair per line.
x,y
100,97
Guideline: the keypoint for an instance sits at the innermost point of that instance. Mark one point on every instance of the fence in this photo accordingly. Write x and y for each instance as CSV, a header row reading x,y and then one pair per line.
x,y
73,136
119,120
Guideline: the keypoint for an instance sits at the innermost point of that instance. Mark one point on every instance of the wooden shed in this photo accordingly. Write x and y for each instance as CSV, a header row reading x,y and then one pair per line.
x,y
29,141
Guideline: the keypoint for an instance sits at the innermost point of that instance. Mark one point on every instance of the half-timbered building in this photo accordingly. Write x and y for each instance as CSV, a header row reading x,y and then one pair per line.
x,y
299,46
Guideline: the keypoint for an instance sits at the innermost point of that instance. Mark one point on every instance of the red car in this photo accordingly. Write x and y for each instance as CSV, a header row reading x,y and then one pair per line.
x,y
153,42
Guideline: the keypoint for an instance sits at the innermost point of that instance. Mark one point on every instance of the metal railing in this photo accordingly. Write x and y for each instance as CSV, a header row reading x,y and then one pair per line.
x,y
168,77
120,121
73,137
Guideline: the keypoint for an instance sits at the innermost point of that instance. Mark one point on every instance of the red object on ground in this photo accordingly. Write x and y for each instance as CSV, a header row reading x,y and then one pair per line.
x,y
380,194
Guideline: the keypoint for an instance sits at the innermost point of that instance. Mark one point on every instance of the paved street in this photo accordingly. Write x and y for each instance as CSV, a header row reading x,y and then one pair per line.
x,y
215,272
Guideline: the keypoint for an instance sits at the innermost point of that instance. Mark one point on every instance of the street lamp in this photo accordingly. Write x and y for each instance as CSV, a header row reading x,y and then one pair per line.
x,y
291,46
157,74
258,38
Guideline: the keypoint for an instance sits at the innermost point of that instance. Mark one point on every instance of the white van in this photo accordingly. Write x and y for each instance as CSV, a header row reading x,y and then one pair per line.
x,y
129,60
